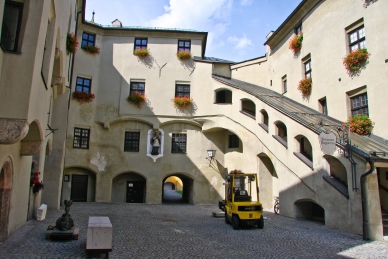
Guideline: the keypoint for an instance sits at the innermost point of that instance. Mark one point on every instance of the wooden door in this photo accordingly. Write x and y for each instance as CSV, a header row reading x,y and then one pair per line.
x,y
79,188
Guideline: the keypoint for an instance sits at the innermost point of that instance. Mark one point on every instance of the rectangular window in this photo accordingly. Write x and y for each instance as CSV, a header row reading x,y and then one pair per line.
x,y
307,68
140,43
88,39
83,85
359,104
357,39
81,138
323,105
131,142
184,45
298,29
234,141
137,87
10,31
179,142
284,82
182,90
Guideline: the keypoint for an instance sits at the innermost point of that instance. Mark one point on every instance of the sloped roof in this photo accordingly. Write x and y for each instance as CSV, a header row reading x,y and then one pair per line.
x,y
310,118
212,60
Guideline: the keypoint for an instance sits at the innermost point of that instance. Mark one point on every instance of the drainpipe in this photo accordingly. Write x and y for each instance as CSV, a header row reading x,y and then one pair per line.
x,y
363,201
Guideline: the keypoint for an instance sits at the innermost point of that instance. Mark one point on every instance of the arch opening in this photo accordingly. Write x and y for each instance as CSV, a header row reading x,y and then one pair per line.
x,y
177,188
307,209
224,96
268,179
129,188
248,107
79,185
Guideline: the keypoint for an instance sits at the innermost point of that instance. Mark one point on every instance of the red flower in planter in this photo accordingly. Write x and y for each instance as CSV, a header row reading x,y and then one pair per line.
x,y
360,124
137,99
141,53
305,86
71,44
296,43
83,97
183,55
355,60
92,49
182,102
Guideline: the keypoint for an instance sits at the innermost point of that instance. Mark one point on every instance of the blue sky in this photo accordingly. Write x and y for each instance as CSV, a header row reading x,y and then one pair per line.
x,y
237,28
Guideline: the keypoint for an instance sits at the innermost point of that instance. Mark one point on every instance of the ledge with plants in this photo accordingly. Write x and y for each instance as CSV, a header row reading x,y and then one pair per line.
x,y
141,53
137,99
71,43
92,49
356,60
296,43
182,102
183,55
360,124
35,183
83,97
305,86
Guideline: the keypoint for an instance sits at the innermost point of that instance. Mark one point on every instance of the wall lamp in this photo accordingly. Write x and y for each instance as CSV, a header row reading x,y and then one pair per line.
x,y
211,154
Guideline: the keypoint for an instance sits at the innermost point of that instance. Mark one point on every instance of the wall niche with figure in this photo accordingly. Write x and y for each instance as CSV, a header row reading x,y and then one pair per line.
x,y
155,143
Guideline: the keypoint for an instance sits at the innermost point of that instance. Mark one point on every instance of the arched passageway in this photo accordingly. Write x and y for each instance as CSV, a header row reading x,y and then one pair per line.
x,y
5,197
129,188
177,188
267,181
309,210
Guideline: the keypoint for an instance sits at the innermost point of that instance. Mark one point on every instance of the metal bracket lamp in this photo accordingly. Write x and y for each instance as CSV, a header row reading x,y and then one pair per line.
x,y
211,154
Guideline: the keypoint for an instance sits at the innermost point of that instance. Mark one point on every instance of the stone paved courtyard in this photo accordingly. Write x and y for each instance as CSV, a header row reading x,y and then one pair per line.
x,y
189,231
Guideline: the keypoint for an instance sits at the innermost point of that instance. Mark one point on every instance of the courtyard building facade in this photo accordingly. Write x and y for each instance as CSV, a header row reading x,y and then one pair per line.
x,y
144,105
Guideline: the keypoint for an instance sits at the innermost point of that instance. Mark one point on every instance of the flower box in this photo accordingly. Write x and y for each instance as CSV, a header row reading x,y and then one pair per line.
x,y
296,43
35,183
355,60
141,53
360,124
83,97
182,102
305,86
137,99
183,55
91,49
71,44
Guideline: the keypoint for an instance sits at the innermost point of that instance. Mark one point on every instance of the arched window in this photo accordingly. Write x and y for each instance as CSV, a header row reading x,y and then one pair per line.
x,y
304,150
248,108
223,96
264,120
281,133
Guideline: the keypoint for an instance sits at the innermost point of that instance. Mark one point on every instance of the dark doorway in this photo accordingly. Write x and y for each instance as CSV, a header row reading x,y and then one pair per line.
x,y
177,188
79,188
135,191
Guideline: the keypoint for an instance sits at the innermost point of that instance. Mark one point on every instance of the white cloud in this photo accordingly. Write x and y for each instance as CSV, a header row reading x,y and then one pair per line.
x,y
246,2
210,16
240,43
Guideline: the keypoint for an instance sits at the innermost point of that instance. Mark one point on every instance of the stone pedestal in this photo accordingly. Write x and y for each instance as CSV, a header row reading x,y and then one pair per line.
x,y
99,236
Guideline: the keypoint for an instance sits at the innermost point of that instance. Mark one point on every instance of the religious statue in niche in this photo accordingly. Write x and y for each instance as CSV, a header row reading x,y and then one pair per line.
x,y
155,142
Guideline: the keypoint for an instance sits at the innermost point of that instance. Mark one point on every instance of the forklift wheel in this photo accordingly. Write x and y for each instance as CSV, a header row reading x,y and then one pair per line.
x,y
226,218
235,222
261,222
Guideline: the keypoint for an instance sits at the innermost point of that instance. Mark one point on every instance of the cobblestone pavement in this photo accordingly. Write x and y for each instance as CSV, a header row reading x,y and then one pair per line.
x,y
189,231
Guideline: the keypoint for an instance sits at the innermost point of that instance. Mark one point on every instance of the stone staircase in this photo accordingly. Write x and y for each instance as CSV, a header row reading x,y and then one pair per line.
x,y
384,215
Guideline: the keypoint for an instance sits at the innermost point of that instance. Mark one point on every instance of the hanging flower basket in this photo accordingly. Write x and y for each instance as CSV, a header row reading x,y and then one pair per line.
x,y
182,102
141,53
356,60
183,55
137,99
83,97
91,49
305,86
296,43
360,124
71,44
35,183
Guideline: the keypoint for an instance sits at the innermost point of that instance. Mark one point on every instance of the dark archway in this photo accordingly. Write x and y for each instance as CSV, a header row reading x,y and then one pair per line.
x,y
183,192
309,210
129,188
6,174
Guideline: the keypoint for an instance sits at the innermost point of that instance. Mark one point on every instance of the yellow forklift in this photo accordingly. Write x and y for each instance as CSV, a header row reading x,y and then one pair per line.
x,y
242,205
